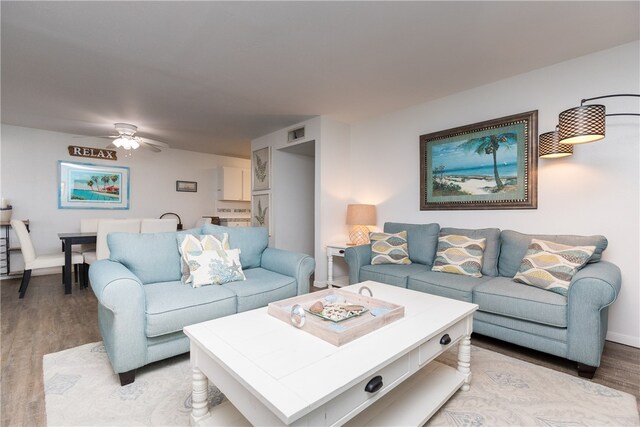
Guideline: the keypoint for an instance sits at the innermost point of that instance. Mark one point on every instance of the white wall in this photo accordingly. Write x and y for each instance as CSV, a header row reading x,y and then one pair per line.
x,y
296,200
332,187
29,179
596,191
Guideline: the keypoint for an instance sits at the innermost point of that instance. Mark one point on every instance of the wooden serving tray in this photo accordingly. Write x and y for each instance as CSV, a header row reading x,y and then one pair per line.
x,y
379,313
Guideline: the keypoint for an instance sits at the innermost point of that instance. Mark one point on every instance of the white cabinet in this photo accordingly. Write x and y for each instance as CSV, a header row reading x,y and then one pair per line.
x,y
246,185
234,184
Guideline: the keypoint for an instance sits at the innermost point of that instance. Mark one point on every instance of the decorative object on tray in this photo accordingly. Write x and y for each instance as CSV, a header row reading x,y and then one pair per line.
x,y
487,165
336,315
336,309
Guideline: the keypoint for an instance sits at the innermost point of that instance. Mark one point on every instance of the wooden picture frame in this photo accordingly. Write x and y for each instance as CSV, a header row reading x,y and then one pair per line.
x,y
92,186
187,186
487,165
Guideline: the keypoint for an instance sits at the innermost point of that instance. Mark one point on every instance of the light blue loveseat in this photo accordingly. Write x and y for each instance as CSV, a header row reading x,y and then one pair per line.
x,y
573,327
143,306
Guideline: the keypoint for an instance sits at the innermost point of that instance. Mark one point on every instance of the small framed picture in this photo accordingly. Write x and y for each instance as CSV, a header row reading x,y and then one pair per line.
x,y
261,211
188,186
261,165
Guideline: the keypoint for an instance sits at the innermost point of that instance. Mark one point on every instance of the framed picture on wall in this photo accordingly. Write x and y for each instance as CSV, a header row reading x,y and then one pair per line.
x,y
487,165
187,186
261,166
91,186
261,211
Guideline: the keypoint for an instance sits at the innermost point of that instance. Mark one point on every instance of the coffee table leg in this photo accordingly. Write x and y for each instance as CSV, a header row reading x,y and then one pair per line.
x,y
464,361
199,397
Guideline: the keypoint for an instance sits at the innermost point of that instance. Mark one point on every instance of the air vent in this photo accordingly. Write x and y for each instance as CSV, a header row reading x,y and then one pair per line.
x,y
295,134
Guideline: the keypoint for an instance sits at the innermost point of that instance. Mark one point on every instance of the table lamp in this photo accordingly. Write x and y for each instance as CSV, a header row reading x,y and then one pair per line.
x,y
359,217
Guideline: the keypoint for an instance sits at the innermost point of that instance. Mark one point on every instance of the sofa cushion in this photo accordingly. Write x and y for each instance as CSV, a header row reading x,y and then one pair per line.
x,y
445,285
551,266
251,241
514,246
152,257
262,287
190,243
391,274
458,254
387,248
170,306
214,267
501,295
421,238
492,245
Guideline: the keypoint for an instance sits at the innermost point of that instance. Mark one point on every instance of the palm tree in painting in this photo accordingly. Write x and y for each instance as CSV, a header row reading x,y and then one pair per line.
x,y
490,144
105,181
114,178
96,181
90,184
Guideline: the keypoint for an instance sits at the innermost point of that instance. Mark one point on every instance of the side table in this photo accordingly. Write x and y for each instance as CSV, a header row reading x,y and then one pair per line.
x,y
336,249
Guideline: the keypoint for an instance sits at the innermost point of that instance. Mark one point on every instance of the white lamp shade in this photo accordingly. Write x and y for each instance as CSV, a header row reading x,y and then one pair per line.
x,y
361,214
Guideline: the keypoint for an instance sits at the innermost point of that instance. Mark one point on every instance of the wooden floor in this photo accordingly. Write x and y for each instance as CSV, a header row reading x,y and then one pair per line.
x,y
47,321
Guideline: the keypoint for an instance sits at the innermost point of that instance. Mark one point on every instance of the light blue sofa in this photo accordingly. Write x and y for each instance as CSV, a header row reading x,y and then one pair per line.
x,y
573,327
143,306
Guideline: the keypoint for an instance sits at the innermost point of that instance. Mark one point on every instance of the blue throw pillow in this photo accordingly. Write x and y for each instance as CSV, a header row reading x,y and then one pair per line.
x,y
251,241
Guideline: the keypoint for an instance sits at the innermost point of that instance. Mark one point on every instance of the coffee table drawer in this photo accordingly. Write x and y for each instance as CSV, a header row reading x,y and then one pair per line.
x,y
436,345
352,400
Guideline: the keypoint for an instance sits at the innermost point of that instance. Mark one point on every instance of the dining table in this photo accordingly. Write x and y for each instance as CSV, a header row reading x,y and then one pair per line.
x,y
68,240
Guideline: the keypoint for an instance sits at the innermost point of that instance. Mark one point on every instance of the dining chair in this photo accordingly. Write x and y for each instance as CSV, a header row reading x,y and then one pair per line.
x,y
110,226
154,225
33,261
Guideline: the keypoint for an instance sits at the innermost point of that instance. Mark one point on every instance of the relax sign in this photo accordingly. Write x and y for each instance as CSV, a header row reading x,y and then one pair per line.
x,y
97,153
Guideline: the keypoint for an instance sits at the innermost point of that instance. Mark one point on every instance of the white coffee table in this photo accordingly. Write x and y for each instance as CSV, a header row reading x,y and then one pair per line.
x,y
275,374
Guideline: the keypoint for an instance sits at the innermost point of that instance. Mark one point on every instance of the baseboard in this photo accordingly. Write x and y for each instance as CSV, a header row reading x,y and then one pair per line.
x,y
623,339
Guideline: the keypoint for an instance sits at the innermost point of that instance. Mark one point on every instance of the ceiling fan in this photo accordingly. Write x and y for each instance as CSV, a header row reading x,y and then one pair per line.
x,y
127,139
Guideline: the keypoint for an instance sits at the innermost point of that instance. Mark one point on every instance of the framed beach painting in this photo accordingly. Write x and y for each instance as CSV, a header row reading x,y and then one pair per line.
x,y
261,165
261,211
91,186
487,165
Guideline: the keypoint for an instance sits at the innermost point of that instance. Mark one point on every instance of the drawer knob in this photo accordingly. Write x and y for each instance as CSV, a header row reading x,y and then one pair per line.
x,y
374,385
446,339
341,251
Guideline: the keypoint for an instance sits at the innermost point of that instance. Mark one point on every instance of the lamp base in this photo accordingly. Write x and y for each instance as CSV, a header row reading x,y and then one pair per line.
x,y
359,235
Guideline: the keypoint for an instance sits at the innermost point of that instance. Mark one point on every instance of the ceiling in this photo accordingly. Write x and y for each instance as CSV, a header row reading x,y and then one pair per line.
x,y
211,76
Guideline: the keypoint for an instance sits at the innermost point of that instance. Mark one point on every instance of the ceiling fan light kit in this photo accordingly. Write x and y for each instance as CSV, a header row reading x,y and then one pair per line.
x,y
127,140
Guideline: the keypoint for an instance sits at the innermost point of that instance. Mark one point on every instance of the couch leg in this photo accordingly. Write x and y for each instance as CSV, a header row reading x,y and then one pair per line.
x,y
127,377
586,371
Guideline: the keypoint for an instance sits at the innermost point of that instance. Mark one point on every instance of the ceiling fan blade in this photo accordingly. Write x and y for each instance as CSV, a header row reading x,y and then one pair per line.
x,y
151,147
154,142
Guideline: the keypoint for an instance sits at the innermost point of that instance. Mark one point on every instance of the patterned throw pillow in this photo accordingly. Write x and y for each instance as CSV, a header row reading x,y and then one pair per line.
x,y
214,267
551,266
459,255
389,248
190,243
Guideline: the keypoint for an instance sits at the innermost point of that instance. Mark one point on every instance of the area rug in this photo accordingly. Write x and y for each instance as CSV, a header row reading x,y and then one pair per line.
x,y
82,390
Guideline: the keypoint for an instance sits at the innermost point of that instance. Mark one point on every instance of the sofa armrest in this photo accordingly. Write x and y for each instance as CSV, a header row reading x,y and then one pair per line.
x,y
591,291
292,264
121,314
356,257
